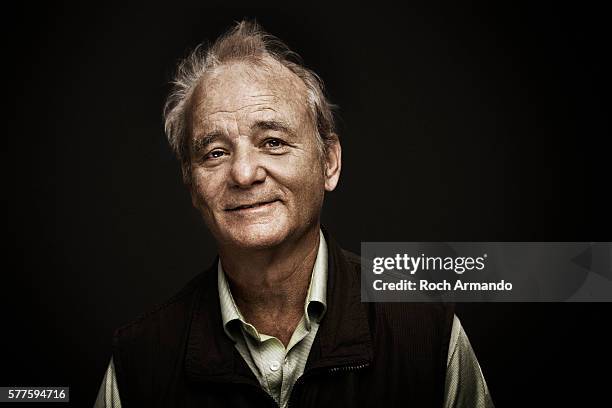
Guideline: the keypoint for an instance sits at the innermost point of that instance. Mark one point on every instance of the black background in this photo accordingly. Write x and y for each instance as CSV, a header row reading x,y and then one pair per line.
x,y
465,123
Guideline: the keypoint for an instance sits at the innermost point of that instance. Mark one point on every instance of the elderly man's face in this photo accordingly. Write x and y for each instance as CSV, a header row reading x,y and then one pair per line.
x,y
257,175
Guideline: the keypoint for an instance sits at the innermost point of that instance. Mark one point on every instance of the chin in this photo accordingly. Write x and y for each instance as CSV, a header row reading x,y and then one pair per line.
x,y
256,236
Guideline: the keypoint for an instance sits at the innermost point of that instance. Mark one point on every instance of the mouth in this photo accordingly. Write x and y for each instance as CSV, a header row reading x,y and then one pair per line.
x,y
250,206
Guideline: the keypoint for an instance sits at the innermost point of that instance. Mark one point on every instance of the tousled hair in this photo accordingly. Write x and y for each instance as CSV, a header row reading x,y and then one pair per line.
x,y
245,41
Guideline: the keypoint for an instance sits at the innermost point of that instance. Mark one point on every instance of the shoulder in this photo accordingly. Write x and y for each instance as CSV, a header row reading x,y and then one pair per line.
x,y
173,311
436,316
352,259
145,349
413,320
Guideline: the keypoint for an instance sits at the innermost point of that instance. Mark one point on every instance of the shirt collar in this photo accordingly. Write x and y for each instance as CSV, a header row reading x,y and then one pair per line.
x,y
314,305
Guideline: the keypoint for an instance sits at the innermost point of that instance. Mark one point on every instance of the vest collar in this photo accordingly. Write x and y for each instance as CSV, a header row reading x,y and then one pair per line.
x,y
343,337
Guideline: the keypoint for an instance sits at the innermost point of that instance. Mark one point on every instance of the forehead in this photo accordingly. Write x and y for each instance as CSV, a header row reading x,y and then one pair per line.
x,y
244,90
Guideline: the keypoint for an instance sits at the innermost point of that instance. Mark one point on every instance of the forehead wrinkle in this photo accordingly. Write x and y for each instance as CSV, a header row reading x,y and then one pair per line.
x,y
211,123
263,96
242,108
267,108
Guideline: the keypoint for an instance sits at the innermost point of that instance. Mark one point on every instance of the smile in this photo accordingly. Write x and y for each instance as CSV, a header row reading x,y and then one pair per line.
x,y
250,206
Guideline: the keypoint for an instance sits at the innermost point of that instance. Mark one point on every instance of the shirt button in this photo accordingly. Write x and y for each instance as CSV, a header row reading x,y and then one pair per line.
x,y
286,360
274,365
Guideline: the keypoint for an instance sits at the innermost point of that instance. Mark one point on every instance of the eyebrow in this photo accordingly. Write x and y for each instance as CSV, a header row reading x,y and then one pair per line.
x,y
273,125
202,142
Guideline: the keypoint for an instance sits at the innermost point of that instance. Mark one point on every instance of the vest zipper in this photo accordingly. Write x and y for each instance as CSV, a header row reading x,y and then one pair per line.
x,y
332,370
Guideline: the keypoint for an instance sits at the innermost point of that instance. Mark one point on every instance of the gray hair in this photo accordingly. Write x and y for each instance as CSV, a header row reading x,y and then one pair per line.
x,y
246,41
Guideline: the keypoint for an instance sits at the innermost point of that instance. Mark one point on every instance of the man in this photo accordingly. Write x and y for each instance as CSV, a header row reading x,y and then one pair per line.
x,y
277,320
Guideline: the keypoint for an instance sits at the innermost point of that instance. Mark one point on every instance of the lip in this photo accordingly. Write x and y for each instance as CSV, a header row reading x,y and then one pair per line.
x,y
251,207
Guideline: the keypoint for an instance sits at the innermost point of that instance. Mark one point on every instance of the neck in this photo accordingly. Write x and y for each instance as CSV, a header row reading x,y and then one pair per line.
x,y
271,285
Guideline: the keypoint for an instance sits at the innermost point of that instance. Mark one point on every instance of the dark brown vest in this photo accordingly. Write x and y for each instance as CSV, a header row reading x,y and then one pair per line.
x,y
364,354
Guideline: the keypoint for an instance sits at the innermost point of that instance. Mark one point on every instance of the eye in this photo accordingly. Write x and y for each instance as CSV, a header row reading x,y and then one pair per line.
x,y
273,143
215,154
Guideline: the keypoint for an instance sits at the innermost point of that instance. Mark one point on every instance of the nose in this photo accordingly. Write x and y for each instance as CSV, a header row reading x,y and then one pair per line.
x,y
246,169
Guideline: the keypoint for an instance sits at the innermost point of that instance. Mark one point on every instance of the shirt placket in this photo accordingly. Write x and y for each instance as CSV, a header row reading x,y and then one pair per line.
x,y
272,356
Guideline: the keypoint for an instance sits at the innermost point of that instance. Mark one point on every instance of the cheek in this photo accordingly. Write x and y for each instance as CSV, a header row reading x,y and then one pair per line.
x,y
206,189
303,178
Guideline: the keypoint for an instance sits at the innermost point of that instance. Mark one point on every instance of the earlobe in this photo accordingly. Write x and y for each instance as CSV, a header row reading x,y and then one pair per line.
x,y
333,164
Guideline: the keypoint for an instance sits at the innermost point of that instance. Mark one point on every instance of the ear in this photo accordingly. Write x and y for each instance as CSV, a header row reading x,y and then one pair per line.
x,y
333,164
